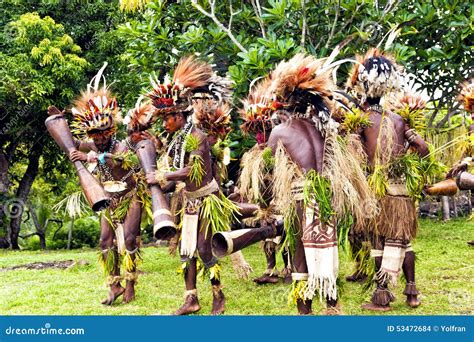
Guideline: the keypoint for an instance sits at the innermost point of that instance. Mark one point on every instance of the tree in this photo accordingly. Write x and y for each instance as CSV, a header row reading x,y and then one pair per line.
x,y
432,39
39,66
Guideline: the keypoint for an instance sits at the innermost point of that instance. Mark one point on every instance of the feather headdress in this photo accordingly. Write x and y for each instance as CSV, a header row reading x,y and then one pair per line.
x,y
95,112
376,74
303,85
258,109
191,79
212,117
466,96
141,117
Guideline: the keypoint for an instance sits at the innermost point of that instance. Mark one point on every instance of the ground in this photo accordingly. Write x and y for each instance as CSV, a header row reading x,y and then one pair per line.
x,y
445,273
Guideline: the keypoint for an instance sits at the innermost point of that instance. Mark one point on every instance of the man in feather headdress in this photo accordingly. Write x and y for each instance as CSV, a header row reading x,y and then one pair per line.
x,y
95,115
206,210
311,177
213,118
260,115
387,141
464,179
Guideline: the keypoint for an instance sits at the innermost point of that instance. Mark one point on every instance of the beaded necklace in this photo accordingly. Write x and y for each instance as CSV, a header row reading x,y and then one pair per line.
x,y
104,169
177,148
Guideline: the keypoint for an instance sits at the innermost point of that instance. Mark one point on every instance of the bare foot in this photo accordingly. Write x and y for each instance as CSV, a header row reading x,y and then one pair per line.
x,y
191,305
304,307
129,293
413,301
375,307
115,292
218,303
266,279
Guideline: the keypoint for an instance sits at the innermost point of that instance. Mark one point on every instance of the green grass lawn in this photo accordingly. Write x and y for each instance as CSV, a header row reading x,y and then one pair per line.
x,y
445,273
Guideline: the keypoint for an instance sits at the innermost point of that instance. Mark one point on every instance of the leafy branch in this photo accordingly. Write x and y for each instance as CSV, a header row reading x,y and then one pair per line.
x,y
212,15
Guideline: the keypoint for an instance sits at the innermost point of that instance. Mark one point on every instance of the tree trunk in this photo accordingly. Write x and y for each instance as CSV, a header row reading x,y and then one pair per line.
x,y
40,231
69,233
6,155
445,202
4,184
3,173
23,191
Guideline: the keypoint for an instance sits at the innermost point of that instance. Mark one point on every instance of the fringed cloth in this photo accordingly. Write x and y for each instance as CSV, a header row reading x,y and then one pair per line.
x,y
320,248
209,206
190,219
393,254
241,267
396,225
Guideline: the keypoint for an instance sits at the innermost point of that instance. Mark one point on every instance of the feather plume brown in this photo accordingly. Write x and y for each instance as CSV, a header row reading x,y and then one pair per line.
x,y
212,117
95,113
258,108
302,72
141,118
192,73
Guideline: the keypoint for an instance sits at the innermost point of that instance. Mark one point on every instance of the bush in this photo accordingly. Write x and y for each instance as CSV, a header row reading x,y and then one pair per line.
x,y
85,233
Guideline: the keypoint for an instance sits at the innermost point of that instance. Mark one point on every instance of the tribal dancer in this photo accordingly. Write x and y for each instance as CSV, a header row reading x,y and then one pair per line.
x,y
206,209
352,122
393,149
464,179
255,179
315,178
213,118
94,121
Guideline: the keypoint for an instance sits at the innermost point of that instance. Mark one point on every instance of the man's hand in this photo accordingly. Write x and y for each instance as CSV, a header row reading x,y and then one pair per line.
x,y
457,169
151,178
92,157
75,156
168,187
53,110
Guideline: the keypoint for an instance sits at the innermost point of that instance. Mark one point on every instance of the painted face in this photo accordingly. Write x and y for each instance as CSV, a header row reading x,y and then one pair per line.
x,y
173,123
102,142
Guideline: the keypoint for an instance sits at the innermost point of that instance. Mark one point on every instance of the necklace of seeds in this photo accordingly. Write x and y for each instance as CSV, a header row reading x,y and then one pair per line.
x,y
376,108
177,150
104,169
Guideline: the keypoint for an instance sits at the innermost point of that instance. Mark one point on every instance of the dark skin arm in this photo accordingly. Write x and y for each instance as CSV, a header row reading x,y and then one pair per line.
x,y
80,155
84,147
182,174
463,164
419,144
